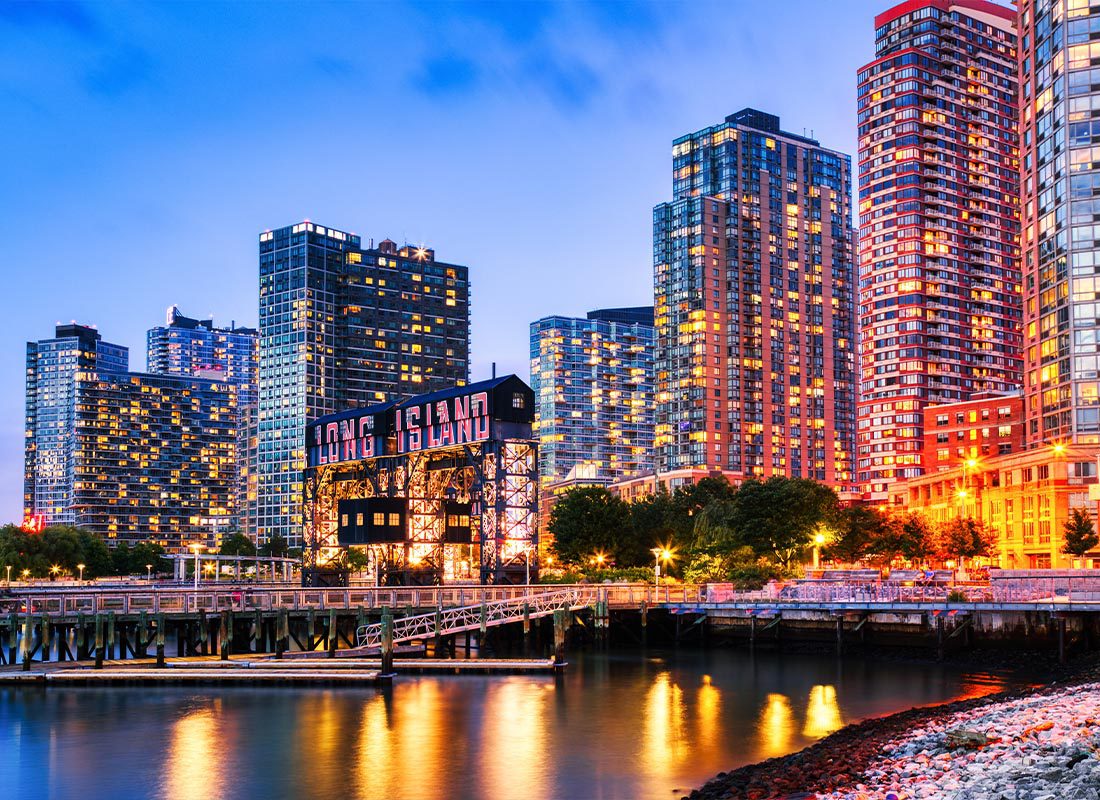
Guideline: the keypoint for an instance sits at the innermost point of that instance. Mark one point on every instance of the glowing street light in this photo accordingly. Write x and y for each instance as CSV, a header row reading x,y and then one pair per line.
x,y
26,574
659,554
819,539
149,572
196,547
80,567
54,570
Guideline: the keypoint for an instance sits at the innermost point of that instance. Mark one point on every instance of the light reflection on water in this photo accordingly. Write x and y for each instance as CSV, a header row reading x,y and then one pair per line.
x,y
614,726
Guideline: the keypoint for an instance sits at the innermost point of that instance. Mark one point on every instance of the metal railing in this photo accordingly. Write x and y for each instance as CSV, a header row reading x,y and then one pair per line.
x,y
180,600
445,621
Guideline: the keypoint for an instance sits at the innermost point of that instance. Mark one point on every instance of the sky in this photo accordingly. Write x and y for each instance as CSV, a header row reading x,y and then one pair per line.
x,y
147,145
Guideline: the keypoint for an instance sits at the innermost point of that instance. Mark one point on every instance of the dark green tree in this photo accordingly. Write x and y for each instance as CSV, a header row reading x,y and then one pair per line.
x,y
777,517
275,547
96,556
237,544
121,563
1080,533
590,520
855,532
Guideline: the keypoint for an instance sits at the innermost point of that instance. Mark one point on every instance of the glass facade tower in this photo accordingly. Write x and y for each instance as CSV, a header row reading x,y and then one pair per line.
x,y
343,326
593,384
1060,130
186,346
132,456
940,308
753,295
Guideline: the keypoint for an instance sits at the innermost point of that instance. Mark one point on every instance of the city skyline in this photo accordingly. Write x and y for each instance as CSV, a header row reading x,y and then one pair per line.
x,y
605,103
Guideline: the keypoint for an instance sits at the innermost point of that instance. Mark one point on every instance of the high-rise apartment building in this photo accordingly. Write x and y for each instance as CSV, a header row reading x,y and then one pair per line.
x,y
939,276
133,456
186,346
343,326
1060,163
593,384
753,287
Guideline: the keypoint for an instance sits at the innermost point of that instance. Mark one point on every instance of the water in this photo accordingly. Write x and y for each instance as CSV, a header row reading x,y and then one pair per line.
x,y
624,725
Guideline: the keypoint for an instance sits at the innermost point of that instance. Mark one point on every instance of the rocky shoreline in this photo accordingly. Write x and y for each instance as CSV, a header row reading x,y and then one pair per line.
x,y
1032,744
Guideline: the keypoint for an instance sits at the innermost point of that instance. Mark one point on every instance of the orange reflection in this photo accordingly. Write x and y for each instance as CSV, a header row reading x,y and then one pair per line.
x,y
515,738
194,759
708,709
776,726
408,729
665,741
822,713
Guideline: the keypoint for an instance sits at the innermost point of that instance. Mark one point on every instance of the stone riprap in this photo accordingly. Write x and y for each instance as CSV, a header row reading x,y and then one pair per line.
x,y
1040,747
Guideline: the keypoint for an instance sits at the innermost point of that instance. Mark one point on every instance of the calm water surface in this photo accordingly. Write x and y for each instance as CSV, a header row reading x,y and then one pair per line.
x,y
624,725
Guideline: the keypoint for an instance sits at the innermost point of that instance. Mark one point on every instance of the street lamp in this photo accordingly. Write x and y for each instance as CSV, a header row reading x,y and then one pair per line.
x,y
659,554
196,547
79,567
53,571
819,539
149,572
26,575
8,568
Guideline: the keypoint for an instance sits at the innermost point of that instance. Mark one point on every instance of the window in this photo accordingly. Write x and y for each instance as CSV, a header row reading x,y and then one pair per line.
x,y
343,520
1044,472
395,520
518,400
379,519
358,519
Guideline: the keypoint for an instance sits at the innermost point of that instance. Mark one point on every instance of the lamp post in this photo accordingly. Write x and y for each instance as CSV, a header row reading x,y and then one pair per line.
x,y
527,563
819,539
26,575
659,554
80,567
149,572
8,568
196,547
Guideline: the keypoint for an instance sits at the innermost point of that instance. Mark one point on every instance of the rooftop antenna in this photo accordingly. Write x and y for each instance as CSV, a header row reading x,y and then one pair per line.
x,y
494,370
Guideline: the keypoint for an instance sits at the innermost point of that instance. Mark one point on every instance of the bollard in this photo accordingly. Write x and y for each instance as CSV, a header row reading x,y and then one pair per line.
x,y
27,633
99,641
160,639
332,633
387,643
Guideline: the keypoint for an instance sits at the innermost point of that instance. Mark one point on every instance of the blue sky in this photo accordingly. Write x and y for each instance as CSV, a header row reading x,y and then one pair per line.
x,y
146,145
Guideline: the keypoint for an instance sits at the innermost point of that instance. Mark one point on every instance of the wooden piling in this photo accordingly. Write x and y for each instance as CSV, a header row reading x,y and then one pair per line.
x,y
13,637
81,637
27,635
100,642
839,635
644,608
142,635
204,632
526,630
331,633
387,644
110,633
939,637
46,634
752,633
561,621
160,638
227,633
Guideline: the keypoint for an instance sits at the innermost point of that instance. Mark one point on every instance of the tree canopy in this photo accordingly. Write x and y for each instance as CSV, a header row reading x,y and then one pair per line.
x,y
1080,533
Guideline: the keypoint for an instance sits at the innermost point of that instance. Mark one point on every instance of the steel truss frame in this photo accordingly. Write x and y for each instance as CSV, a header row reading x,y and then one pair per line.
x,y
499,478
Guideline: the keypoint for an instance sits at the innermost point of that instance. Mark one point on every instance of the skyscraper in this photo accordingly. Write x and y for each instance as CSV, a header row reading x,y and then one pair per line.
x,y
939,294
133,456
593,384
343,326
1060,130
186,346
754,313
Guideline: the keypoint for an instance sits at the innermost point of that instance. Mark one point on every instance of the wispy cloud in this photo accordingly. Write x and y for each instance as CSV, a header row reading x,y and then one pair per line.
x,y
446,74
118,71
69,16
